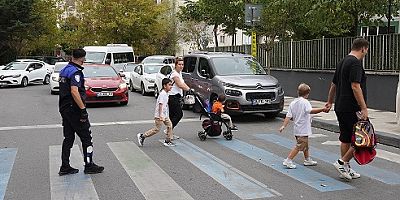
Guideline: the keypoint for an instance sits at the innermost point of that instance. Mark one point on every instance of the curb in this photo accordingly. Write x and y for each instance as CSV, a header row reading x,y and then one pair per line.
x,y
383,137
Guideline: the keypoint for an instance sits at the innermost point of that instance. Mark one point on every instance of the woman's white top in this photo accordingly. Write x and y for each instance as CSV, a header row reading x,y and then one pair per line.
x,y
175,89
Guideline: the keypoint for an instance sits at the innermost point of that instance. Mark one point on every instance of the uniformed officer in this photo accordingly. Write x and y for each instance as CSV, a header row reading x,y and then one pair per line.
x,y
74,115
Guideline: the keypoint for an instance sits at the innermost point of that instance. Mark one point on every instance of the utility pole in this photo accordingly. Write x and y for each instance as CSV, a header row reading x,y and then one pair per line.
x,y
389,15
389,18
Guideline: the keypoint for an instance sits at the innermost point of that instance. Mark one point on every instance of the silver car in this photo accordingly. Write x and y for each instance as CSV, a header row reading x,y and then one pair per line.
x,y
247,86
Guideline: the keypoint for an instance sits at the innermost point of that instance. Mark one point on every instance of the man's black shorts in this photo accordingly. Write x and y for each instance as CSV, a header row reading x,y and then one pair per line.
x,y
346,122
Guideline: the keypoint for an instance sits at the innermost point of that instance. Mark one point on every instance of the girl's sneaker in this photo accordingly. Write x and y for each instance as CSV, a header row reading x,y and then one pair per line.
x,y
289,164
310,162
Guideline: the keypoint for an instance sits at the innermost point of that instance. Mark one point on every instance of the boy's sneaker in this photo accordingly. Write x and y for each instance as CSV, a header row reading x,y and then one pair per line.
x,y
310,162
168,143
64,170
342,170
174,137
140,139
93,169
353,174
234,128
289,164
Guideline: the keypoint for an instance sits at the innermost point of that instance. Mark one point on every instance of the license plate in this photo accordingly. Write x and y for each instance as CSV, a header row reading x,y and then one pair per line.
x,y
261,101
105,94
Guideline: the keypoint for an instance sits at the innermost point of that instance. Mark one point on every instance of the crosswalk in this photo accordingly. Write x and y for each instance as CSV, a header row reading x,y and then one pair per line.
x,y
154,183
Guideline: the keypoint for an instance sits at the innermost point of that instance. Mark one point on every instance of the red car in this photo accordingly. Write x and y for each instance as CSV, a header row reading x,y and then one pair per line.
x,y
104,84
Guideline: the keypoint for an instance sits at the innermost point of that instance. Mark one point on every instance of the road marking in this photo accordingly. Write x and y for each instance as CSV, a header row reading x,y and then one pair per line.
x,y
239,183
317,135
303,174
153,182
382,175
7,158
49,126
380,153
74,186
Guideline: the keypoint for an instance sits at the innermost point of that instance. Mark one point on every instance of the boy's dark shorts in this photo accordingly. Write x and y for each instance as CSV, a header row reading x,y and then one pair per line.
x,y
346,122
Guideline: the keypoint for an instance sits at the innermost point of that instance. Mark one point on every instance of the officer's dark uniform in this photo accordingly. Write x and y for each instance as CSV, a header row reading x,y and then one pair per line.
x,y
72,75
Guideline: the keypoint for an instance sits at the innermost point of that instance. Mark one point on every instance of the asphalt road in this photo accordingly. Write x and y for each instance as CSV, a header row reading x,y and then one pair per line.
x,y
248,167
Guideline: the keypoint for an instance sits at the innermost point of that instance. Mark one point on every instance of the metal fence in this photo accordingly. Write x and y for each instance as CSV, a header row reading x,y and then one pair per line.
x,y
325,53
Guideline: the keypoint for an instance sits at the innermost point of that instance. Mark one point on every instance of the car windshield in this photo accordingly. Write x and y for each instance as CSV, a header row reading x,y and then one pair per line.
x,y
153,60
15,66
151,69
237,66
95,57
103,71
130,67
58,67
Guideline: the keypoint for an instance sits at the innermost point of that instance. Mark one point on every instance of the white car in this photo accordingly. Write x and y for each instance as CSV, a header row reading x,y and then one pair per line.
x,y
127,69
50,68
23,73
161,74
143,77
54,77
160,59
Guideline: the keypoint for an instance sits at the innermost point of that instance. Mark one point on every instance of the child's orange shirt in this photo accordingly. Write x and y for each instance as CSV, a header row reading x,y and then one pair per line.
x,y
217,107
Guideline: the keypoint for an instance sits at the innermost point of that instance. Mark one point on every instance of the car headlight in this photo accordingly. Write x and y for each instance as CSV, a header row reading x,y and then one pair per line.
x,y
280,89
56,79
16,75
150,80
233,92
122,86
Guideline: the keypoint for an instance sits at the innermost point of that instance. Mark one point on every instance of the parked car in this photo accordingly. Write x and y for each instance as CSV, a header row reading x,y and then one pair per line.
x,y
24,72
127,69
247,86
161,74
143,77
55,76
160,59
49,60
104,84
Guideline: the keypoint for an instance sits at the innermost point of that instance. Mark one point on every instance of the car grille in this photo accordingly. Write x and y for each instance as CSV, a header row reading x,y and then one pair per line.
x,y
104,89
260,95
104,98
259,107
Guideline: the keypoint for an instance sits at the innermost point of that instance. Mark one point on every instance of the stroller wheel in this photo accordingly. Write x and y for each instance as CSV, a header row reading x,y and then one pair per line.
x,y
228,137
202,135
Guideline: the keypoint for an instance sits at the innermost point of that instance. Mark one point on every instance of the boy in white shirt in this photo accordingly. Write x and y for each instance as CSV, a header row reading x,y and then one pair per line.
x,y
300,111
161,116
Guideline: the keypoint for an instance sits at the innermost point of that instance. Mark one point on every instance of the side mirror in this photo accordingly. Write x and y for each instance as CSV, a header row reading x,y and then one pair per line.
x,y
30,69
121,74
108,61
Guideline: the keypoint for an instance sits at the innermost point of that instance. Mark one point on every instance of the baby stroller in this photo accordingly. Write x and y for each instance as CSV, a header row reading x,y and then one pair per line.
x,y
213,125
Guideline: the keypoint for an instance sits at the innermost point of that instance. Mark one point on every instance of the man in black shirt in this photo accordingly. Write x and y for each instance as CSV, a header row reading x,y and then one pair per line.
x,y
349,85
74,116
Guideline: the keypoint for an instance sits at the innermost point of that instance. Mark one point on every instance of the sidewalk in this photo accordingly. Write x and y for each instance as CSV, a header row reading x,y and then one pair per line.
x,y
384,122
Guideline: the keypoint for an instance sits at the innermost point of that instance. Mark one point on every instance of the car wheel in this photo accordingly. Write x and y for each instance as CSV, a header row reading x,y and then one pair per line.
x,y
46,80
53,92
131,86
24,82
156,93
142,89
124,103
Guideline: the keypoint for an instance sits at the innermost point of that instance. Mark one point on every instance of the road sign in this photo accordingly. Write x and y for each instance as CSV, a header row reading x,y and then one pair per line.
x,y
252,14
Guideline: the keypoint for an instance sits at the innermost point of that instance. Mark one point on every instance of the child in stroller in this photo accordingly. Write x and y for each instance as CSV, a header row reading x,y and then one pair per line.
x,y
213,125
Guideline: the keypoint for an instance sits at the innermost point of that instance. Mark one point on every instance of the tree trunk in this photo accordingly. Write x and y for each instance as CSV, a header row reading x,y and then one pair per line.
x,y
215,34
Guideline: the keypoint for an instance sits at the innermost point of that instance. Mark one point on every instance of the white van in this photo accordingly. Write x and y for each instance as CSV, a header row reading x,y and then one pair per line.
x,y
116,55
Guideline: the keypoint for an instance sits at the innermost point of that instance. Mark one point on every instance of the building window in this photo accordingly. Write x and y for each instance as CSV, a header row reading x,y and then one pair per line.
x,y
383,29
222,38
373,30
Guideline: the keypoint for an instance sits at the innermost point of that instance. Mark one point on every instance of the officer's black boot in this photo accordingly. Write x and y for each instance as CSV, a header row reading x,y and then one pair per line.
x,y
64,170
92,168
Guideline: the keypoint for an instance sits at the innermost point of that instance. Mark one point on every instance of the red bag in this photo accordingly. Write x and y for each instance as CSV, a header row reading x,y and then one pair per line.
x,y
364,142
